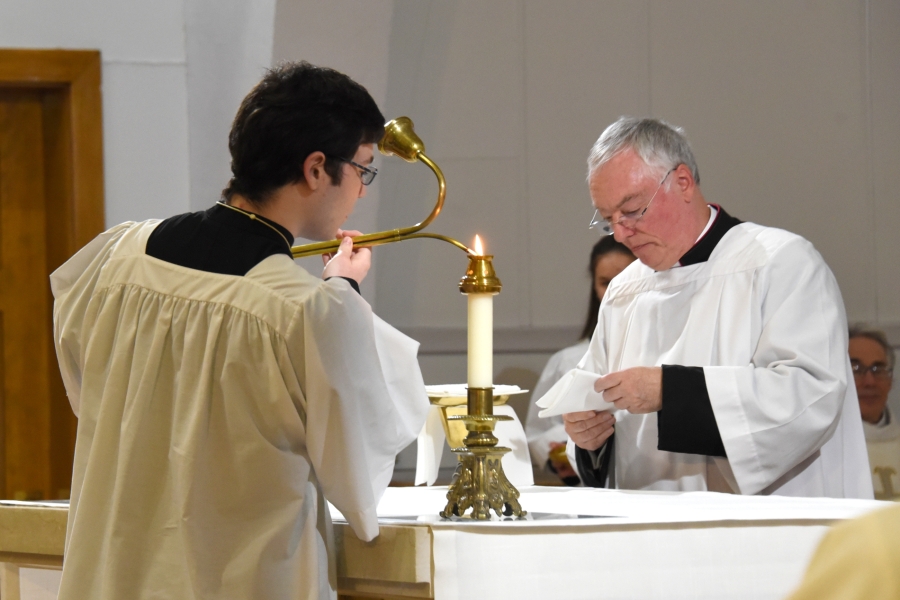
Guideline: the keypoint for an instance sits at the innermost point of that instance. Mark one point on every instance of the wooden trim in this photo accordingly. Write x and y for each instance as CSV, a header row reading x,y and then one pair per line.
x,y
31,561
69,82
79,73
43,68
33,530
9,581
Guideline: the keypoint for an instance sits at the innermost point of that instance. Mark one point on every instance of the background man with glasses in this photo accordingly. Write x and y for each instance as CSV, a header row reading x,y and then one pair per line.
x,y
723,347
872,359
223,393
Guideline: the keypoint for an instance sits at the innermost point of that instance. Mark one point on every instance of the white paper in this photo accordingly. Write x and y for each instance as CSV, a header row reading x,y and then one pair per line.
x,y
430,448
574,392
511,434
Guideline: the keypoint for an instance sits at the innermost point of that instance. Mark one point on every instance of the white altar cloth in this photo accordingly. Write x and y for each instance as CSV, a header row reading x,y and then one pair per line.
x,y
623,544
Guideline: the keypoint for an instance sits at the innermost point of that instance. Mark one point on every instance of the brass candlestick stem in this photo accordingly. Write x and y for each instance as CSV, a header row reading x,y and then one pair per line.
x,y
479,482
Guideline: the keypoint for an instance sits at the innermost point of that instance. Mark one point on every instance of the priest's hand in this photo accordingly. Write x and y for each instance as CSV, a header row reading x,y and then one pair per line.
x,y
589,429
637,390
347,261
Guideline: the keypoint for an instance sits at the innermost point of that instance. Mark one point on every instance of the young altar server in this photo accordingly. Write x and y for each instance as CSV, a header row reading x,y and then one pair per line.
x,y
223,393
723,347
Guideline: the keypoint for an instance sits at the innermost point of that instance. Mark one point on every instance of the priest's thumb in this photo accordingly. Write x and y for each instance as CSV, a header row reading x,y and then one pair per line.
x,y
346,244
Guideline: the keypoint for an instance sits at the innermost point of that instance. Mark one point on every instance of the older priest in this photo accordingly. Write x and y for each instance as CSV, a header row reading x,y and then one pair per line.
x,y
223,393
723,348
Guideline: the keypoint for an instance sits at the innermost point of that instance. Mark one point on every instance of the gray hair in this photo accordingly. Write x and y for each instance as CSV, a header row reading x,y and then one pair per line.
x,y
876,335
657,143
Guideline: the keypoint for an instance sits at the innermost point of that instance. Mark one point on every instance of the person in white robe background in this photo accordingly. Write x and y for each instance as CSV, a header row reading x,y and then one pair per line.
x,y
547,437
223,393
872,359
723,347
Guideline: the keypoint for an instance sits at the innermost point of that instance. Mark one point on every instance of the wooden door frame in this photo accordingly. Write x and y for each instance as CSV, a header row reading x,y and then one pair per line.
x,y
68,82
77,74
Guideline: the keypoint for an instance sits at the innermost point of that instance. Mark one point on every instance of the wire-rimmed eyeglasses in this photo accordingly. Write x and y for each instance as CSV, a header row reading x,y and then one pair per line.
x,y
366,174
878,370
628,219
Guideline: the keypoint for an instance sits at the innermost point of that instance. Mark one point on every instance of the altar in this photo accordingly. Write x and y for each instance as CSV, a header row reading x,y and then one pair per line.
x,y
574,543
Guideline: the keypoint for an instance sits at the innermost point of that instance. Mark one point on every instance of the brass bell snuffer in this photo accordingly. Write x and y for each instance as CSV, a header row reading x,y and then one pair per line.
x,y
399,139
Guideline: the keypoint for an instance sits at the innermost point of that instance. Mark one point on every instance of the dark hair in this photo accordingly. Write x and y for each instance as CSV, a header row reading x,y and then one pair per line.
x,y
876,335
297,109
606,245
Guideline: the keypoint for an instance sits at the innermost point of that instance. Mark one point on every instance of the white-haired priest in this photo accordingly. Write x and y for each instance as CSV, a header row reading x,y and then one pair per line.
x,y
723,348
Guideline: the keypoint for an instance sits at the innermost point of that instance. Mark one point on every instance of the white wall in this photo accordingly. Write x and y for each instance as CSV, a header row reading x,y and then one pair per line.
x,y
144,96
791,108
173,74
229,47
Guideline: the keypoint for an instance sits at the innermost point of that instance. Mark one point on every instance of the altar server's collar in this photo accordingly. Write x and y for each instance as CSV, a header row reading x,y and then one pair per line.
x,y
718,225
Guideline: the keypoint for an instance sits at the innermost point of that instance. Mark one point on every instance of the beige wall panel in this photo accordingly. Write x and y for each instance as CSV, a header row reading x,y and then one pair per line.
x,y
480,95
324,37
772,95
884,19
418,279
456,69
586,64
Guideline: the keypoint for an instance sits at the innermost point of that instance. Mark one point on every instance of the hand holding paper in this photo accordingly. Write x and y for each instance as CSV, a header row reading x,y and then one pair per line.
x,y
637,390
574,392
589,429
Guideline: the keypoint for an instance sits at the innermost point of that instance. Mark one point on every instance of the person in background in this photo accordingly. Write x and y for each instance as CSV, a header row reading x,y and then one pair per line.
x,y
547,437
872,360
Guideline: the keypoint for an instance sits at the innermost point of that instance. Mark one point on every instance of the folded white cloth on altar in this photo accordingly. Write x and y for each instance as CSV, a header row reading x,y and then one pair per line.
x,y
511,434
574,392
461,390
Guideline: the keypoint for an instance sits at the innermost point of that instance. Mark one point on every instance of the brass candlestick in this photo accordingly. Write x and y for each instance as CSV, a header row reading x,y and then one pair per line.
x,y
479,482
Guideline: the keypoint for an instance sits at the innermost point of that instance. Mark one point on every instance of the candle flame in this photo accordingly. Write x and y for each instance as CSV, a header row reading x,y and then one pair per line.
x,y
479,249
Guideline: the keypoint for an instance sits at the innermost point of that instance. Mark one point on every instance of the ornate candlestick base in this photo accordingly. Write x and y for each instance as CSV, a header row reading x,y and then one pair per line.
x,y
479,482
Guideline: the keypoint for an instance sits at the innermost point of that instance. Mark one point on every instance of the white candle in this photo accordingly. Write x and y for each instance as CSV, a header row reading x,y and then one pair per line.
x,y
481,334
481,340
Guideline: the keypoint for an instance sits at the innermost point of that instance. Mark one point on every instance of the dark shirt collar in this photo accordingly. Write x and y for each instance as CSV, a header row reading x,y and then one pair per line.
x,y
704,247
217,240
235,219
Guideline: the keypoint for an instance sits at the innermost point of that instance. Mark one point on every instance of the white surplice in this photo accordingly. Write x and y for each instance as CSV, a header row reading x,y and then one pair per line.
x,y
883,445
765,319
216,414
